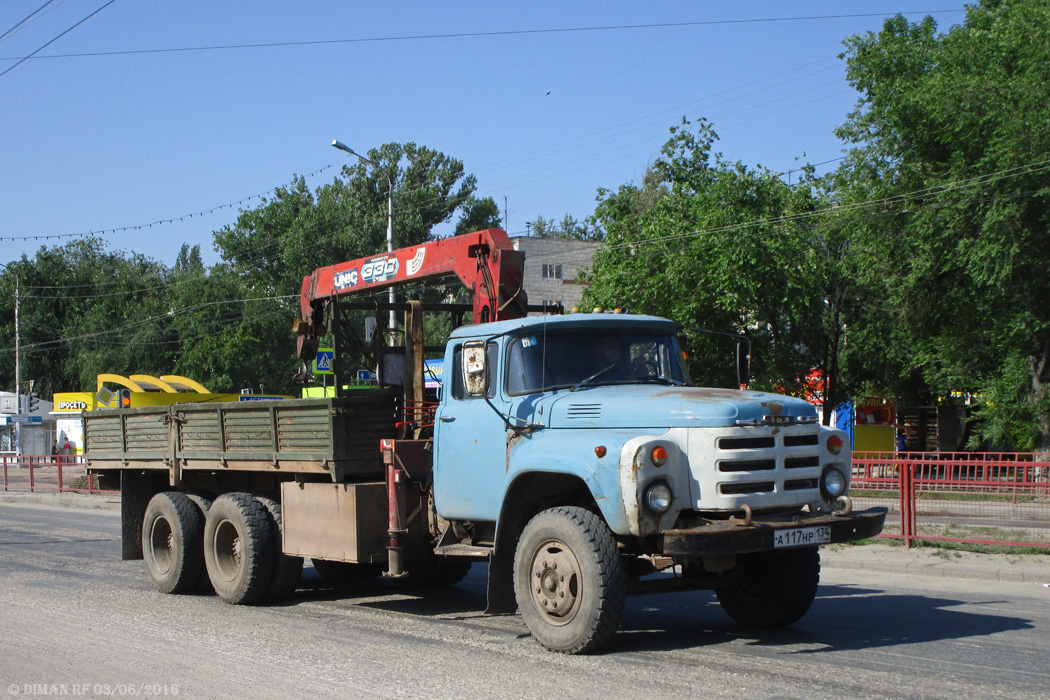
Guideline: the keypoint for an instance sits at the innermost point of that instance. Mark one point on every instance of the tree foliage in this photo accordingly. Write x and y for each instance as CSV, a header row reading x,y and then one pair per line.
x,y
569,227
951,135
297,231
84,310
718,246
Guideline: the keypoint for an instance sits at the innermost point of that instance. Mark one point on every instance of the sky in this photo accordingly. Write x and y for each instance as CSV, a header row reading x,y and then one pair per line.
x,y
544,102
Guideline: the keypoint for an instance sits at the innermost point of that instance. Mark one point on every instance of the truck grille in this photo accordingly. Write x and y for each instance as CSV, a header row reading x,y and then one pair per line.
x,y
747,487
762,466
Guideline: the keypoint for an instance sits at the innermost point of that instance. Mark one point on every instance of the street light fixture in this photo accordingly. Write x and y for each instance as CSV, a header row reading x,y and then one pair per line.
x,y
389,223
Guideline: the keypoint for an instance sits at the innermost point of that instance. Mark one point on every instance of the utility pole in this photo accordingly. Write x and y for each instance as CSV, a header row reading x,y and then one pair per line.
x,y
18,352
389,229
506,215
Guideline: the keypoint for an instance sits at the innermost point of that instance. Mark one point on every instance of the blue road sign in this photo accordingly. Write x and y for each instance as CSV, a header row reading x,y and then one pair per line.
x,y
323,361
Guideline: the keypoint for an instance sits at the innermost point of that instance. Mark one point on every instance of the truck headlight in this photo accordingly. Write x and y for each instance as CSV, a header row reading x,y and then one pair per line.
x,y
658,497
832,484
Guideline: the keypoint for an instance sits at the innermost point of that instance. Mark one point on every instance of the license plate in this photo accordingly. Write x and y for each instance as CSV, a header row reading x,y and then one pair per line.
x,y
802,536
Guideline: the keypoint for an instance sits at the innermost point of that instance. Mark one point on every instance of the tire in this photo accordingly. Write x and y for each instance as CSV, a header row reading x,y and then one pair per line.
x,y
776,589
238,548
287,570
569,580
173,542
345,572
203,502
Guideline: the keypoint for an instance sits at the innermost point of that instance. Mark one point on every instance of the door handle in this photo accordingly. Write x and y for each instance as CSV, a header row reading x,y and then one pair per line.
x,y
447,419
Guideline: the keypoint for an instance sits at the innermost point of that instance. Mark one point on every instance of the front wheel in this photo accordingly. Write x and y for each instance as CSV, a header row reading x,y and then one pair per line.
x,y
569,580
775,590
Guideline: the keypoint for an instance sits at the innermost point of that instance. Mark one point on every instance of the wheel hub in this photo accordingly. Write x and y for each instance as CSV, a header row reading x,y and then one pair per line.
x,y
229,550
555,576
162,545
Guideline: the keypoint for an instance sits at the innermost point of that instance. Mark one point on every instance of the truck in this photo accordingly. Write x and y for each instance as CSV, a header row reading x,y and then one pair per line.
x,y
570,452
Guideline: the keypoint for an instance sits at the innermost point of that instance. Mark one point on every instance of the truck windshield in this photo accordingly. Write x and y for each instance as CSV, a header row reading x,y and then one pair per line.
x,y
576,359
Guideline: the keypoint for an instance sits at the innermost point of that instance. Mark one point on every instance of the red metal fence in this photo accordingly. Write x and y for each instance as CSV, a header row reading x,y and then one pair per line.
x,y
977,497
983,498
48,473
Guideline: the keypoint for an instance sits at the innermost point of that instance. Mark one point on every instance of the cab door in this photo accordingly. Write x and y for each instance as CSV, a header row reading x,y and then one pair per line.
x,y
470,445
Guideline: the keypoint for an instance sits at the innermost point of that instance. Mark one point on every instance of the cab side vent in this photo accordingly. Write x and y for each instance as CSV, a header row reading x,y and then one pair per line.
x,y
588,411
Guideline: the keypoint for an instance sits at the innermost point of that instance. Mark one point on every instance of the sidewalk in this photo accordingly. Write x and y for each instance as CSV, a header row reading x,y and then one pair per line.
x,y
932,561
890,558
66,499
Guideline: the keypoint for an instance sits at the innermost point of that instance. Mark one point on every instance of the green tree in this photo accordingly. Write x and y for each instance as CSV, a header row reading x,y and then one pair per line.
x,y
84,311
478,214
951,135
230,335
569,227
297,231
719,246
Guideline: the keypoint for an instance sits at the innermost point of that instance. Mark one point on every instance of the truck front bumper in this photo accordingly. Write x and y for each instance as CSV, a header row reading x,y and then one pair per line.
x,y
729,537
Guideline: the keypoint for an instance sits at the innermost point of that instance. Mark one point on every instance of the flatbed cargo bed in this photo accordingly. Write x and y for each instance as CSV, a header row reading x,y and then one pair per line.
x,y
338,436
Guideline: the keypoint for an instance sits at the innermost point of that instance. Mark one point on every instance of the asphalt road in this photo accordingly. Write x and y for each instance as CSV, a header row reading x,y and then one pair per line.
x,y
76,620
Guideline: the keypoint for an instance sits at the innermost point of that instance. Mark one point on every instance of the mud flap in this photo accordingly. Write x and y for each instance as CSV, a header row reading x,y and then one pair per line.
x,y
136,490
500,595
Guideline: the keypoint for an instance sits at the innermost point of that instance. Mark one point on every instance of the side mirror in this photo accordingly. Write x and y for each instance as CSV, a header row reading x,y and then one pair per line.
x,y
475,370
743,363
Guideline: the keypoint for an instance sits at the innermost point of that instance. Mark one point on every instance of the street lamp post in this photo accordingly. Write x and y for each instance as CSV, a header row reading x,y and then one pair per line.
x,y
389,224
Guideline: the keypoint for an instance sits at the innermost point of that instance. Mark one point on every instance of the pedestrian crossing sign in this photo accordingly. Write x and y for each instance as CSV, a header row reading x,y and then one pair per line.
x,y
323,361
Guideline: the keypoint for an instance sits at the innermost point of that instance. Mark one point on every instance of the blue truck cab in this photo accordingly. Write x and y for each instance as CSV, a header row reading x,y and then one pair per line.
x,y
578,451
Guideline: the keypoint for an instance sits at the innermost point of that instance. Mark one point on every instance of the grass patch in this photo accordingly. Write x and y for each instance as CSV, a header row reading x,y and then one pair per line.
x,y
980,548
968,496
866,493
951,546
81,483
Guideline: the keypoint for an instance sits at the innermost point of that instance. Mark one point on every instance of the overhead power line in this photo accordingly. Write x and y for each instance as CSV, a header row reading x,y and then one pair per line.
x,y
33,14
657,243
26,58
466,35
159,222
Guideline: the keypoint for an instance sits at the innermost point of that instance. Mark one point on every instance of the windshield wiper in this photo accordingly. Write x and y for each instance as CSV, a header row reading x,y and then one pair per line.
x,y
659,380
593,376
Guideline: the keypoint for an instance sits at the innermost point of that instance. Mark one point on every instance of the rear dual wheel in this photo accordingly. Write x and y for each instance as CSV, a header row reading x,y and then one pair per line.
x,y
172,542
287,570
232,544
238,548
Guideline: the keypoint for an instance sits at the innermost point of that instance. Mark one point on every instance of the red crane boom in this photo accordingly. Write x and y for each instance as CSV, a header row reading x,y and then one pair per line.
x,y
484,260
